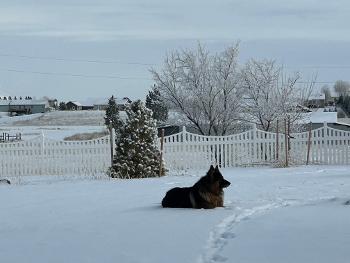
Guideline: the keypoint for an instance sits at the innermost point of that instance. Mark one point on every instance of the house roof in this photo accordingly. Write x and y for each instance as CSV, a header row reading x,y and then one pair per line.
x,y
317,96
104,101
23,102
319,116
77,103
334,94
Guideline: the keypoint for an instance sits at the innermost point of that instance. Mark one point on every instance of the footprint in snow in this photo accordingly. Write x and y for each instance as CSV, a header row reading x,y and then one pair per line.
x,y
218,258
228,235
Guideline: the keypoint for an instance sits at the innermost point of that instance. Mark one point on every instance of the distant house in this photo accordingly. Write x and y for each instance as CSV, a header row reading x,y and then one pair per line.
x,y
53,103
334,97
316,101
102,103
320,116
74,105
100,106
23,106
87,107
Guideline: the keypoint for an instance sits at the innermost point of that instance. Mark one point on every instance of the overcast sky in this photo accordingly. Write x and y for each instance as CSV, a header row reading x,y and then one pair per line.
x,y
94,48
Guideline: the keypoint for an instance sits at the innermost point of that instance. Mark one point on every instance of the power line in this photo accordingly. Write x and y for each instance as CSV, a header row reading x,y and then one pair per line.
x,y
140,63
318,82
117,77
320,67
71,74
77,60
328,66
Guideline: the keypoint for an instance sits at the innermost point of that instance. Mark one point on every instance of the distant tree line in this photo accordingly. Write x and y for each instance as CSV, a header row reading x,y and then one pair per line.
x,y
342,89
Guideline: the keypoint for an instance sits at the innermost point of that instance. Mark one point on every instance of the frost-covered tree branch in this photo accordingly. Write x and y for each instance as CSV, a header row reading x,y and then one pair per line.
x,y
203,87
270,94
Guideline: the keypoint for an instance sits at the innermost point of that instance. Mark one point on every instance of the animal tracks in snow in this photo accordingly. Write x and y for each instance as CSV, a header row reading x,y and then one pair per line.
x,y
222,233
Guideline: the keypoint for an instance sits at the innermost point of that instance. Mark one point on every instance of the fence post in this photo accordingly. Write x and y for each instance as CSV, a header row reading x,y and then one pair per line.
x,y
286,141
346,141
277,142
42,156
255,144
326,141
309,144
183,134
183,144
288,128
161,154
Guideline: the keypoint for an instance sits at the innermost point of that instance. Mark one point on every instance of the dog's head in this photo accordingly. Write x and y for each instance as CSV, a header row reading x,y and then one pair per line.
x,y
216,178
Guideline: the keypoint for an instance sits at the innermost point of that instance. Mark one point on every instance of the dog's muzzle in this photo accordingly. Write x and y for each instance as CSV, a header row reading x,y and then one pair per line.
x,y
225,184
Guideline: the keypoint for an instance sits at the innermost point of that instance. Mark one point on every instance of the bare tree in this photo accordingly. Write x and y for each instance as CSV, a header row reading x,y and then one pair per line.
x,y
294,93
342,87
260,100
203,87
270,94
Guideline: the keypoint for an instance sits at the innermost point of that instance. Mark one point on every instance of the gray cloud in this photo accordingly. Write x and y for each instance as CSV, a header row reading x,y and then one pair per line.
x,y
143,31
181,19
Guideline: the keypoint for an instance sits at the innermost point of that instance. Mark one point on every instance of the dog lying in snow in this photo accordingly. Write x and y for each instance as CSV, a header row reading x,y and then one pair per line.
x,y
206,193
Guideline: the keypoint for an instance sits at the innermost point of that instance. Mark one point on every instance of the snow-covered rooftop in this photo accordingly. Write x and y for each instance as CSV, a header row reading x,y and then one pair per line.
x,y
334,94
76,103
320,116
103,101
318,96
23,102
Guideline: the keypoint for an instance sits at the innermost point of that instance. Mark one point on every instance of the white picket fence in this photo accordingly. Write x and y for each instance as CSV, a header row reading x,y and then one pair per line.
x,y
185,150
43,156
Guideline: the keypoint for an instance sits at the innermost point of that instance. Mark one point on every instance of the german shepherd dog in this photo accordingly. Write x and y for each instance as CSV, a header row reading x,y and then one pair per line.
x,y
206,193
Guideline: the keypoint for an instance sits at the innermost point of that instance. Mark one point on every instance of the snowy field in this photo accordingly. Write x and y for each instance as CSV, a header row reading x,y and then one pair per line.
x,y
54,125
56,118
51,132
270,215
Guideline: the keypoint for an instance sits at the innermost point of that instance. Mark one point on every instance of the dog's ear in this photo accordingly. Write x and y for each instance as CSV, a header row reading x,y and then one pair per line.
x,y
217,168
211,170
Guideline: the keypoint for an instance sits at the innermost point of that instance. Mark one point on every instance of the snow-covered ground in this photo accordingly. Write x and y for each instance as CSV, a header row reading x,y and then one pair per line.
x,y
52,132
270,215
55,125
56,118
6,120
